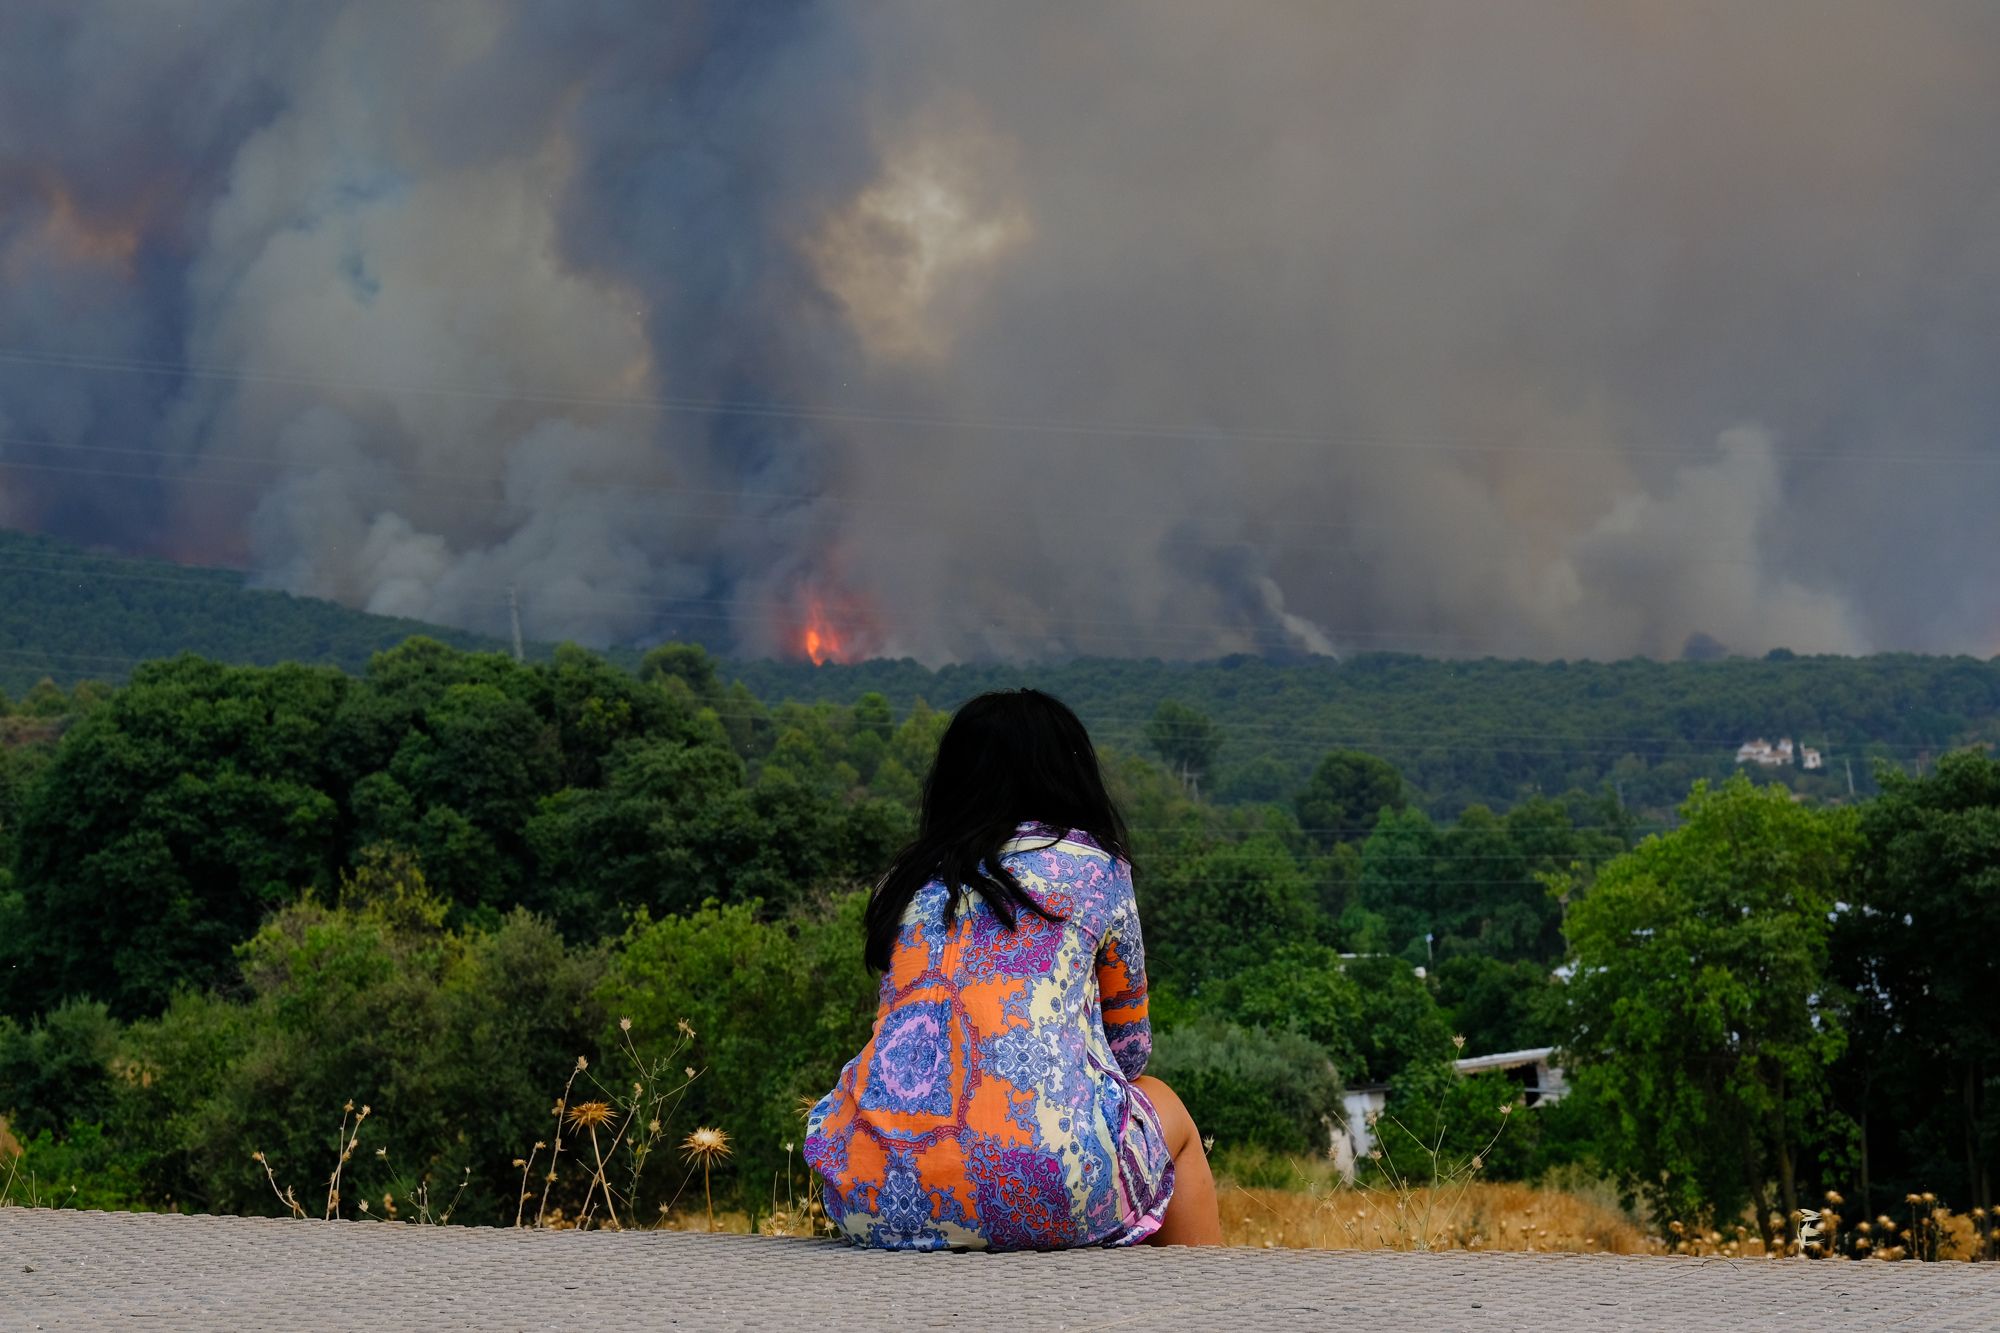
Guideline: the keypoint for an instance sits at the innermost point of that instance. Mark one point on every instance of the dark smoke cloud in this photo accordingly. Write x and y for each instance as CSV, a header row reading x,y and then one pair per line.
x,y
1161,327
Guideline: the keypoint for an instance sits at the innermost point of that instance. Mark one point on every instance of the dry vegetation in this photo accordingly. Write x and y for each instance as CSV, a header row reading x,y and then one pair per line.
x,y
1484,1215
1301,1205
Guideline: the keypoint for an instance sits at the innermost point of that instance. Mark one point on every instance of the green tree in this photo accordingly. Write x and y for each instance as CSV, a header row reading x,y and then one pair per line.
x,y
45,700
1304,988
1218,908
1916,946
1490,900
667,830
1185,740
595,708
1400,1022
1699,1001
1346,794
474,765
1261,779
1398,899
1498,1006
170,820
688,663
83,1168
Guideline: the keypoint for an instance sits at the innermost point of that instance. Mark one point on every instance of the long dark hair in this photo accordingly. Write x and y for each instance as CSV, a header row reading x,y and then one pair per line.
x,y
1008,758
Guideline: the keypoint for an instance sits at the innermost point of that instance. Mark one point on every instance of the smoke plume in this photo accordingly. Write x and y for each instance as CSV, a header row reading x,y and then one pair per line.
x,y
1148,327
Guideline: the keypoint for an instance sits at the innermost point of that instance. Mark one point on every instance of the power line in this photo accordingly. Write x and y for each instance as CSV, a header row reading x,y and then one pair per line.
x,y
62,565
1670,745
1435,643
1207,434
457,496
1464,742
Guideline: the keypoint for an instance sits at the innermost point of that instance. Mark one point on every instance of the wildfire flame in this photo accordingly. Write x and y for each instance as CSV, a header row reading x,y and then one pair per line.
x,y
820,639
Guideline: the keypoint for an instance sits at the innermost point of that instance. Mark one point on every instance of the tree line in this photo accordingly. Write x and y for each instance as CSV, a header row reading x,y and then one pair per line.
x,y
1488,731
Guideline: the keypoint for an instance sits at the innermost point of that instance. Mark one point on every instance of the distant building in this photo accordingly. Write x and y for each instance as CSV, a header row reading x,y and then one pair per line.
x,y
1541,1081
1761,751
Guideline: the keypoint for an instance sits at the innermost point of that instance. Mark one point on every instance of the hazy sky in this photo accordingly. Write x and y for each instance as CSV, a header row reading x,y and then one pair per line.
x,y
1162,327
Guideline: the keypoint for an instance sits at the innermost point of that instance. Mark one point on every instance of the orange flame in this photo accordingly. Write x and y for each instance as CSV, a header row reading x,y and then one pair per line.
x,y
821,640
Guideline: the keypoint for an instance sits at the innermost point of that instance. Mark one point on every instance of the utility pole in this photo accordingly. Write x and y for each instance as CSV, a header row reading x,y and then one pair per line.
x,y
514,613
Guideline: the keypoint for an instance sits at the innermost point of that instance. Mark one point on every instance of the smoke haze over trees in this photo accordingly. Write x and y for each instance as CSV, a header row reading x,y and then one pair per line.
x,y
1162,328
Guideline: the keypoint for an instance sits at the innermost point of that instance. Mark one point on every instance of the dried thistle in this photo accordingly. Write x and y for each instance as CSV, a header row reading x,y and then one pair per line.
x,y
706,1146
589,1115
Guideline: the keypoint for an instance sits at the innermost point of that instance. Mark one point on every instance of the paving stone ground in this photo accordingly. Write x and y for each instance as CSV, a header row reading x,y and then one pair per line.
x,y
77,1270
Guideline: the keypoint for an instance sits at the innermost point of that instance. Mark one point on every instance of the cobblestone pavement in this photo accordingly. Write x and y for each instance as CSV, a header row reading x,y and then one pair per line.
x,y
72,1270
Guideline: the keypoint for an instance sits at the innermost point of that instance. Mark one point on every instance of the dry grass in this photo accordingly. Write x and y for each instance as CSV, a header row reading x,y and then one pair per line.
x,y
1482,1215
1502,1217
1310,1210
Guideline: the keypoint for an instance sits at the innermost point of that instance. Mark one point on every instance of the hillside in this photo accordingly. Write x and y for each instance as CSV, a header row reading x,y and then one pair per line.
x,y
67,615
1462,731
1491,731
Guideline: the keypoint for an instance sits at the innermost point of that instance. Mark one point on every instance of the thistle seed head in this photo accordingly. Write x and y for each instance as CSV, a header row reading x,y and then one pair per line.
x,y
588,1115
706,1145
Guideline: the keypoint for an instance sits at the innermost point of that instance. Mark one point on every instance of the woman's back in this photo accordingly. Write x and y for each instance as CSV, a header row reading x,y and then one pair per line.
x,y
993,1106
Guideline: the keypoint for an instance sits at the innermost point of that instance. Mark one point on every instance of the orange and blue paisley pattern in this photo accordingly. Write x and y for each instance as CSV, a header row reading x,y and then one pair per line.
x,y
993,1107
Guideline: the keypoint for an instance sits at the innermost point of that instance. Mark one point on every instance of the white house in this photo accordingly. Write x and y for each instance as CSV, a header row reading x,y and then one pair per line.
x,y
1541,1082
1761,751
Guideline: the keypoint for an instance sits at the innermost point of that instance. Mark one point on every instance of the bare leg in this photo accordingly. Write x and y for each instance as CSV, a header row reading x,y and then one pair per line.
x,y
1192,1215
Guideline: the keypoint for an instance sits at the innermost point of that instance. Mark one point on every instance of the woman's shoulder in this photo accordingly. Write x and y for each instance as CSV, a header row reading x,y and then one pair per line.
x,y
1070,863
1037,837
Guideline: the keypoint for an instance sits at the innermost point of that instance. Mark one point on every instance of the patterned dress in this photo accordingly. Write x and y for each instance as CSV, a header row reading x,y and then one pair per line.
x,y
993,1107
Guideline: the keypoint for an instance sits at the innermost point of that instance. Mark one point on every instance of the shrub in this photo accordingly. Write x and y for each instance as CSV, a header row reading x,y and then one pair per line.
x,y
85,1168
1248,1086
58,1069
455,1040
777,1007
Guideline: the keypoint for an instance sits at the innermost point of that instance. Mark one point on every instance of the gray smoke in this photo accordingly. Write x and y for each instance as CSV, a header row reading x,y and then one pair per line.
x,y
1152,327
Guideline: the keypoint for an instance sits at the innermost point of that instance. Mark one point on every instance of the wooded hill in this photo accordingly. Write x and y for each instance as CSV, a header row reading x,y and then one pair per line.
x,y
1489,731
67,614
1462,732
